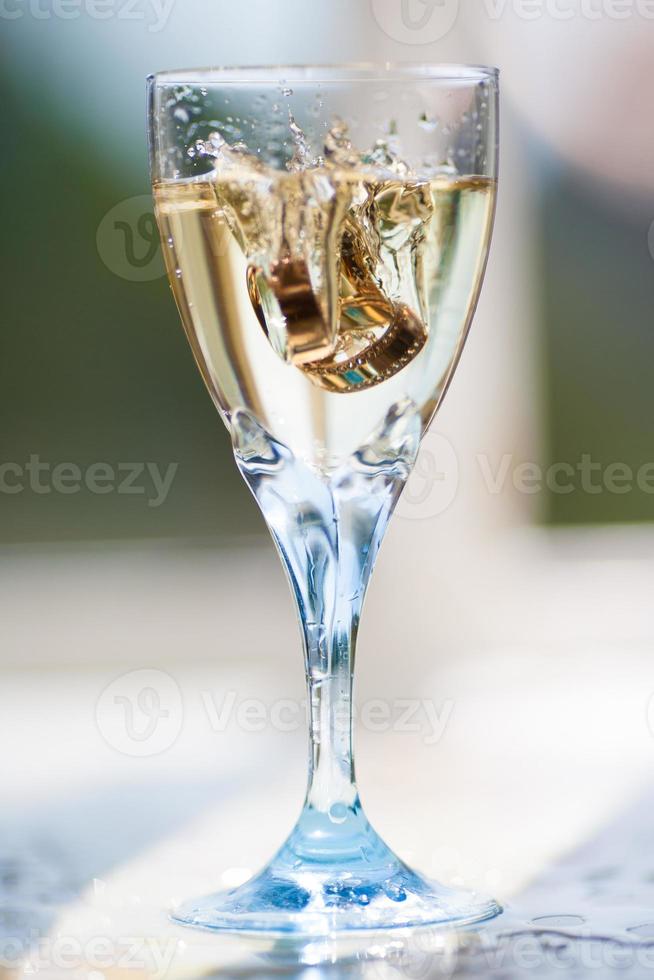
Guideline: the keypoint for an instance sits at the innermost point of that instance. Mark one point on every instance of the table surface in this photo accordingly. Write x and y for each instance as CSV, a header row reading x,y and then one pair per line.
x,y
536,790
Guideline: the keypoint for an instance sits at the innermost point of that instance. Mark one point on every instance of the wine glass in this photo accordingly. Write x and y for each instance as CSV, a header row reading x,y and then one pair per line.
x,y
325,232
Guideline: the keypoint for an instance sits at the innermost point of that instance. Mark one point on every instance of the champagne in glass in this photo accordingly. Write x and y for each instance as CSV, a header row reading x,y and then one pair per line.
x,y
325,232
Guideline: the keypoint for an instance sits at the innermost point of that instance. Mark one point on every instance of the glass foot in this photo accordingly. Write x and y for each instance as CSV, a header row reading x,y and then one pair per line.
x,y
335,877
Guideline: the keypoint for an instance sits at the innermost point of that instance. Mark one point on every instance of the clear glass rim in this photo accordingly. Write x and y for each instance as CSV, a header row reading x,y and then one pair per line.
x,y
386,71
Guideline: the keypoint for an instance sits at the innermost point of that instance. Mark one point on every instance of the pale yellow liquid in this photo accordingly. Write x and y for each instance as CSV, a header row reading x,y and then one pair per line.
x,y
362,260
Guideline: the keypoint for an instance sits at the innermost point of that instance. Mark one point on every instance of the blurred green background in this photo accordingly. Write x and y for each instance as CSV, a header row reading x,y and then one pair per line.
x,y
596,320
94,365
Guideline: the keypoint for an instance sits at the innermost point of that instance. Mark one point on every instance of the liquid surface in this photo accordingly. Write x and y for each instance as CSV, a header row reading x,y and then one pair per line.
x,y
323,299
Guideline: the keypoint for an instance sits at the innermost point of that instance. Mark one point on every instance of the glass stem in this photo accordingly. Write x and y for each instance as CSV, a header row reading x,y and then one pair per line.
x,y
329,658
328,529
